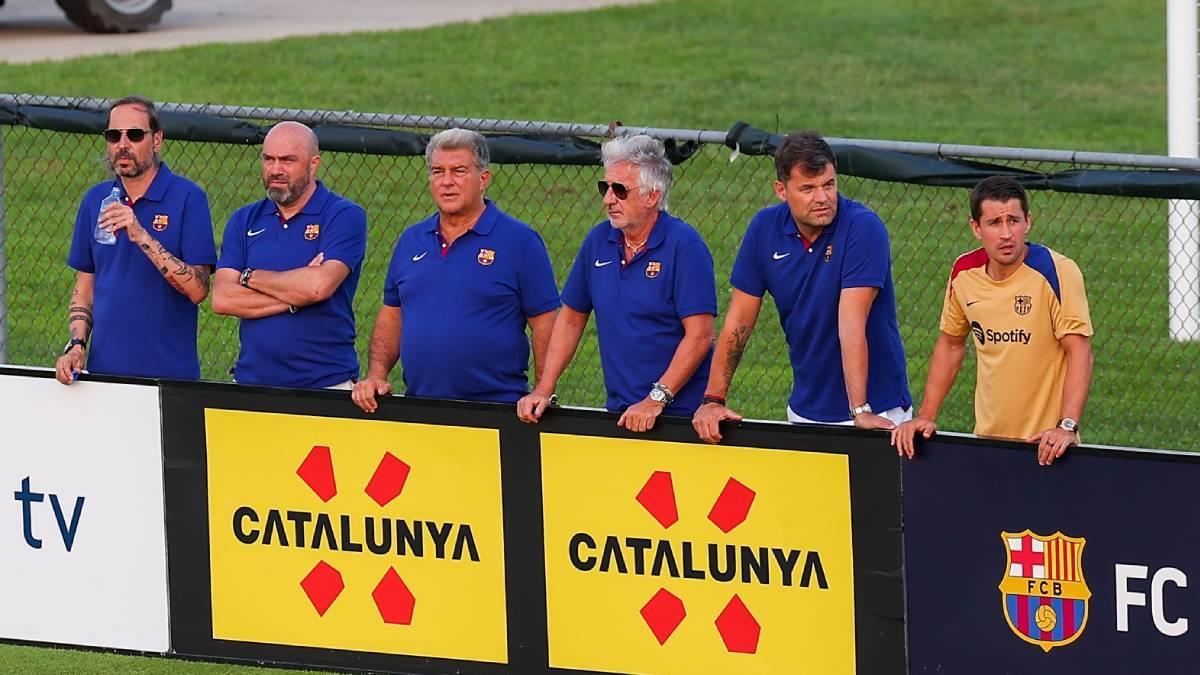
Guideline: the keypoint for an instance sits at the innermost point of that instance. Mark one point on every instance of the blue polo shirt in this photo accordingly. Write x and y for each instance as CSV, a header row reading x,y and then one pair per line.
x,y
314,347
143,326
640,306
464,307
806,282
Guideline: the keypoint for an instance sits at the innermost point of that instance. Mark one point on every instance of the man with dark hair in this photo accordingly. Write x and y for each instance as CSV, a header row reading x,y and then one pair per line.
x,y
826,261
649,278
1026,306
142,263
462,286
289,268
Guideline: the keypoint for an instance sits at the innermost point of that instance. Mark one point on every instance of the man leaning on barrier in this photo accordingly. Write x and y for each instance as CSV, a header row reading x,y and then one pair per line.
x,y
825,259
649,277
1027,308
461,288
142,261
289,267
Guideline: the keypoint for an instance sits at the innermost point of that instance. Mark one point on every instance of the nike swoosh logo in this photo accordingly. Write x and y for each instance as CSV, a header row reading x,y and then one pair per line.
x,y
602,264
972,302
255,233
780,256
418,257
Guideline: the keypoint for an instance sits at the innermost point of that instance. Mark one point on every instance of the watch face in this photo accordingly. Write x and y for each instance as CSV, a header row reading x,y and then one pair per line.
x,y
657,395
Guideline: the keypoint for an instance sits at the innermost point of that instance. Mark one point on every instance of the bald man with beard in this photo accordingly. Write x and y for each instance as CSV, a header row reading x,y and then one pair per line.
x,y
289,267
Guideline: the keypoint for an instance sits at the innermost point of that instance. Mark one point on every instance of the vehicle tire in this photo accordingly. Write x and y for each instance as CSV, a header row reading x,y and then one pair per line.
x,y
114,16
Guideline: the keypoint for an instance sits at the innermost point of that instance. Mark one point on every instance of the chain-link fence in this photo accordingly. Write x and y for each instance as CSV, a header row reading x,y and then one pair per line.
x,y
1143,391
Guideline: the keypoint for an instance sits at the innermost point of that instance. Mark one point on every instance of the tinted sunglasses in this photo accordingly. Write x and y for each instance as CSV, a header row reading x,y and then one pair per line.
x,y
619,190
134,135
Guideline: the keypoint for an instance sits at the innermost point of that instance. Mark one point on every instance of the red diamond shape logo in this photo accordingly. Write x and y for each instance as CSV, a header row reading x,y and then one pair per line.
x,y
663,613
732,507
388,480
394,600
658,498
317,472
738,628
323,584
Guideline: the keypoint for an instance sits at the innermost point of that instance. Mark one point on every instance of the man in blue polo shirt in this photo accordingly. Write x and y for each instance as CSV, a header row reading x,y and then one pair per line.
x,y
826,261
136,291
462,286
289,267
649,278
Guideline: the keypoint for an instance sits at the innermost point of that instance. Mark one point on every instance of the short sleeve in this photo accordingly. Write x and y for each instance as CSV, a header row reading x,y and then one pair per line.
x,y
535,278
1071,316
198,247
80,255
233,242
391,283
954,316
695,280
576,293
345,238
868,253
747,275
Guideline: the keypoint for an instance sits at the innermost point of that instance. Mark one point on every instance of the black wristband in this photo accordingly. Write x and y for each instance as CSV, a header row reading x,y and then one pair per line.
x,y
71,344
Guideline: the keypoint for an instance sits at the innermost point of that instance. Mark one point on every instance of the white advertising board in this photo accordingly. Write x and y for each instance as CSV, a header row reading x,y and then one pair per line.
x,y
82,546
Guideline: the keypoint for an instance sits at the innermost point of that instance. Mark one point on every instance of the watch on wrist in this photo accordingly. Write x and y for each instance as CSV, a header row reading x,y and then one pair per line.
x,y
71,344
1068,424
245,280
659,393
860,410
553,399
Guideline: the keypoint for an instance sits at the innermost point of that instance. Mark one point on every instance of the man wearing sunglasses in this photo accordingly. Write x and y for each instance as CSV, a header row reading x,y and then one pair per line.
x,y
649,278
826,261
289,267
133,309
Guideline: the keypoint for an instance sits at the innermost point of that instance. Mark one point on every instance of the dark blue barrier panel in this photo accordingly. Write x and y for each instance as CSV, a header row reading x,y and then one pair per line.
x,y
439,537
1087,566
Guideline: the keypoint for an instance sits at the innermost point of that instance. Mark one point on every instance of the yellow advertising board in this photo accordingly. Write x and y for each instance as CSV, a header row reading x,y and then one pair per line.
x,y
682,558
359,535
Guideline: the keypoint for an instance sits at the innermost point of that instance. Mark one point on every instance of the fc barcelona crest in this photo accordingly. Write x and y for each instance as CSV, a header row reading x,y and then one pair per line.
x,y
828,252
312,231
653,268
160,223
1022,304
486,256
1043,592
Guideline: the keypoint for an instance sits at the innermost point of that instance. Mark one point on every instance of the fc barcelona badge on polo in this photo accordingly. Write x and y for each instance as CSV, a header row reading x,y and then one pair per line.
x,y
1022,304
486,256
653,268
828,252
160,222
312,231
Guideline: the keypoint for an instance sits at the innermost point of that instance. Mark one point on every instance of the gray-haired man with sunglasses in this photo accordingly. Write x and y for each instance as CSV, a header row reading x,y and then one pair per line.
x,y
142,263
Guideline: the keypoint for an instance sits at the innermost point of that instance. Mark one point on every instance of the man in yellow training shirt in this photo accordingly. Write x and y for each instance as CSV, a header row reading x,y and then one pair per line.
x,y
1026,309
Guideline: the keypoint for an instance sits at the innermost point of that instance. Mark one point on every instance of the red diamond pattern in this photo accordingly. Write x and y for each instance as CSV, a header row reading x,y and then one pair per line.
x,y
323,584
388,480
738,627
395,602
317,472
658,498
663,613
732,506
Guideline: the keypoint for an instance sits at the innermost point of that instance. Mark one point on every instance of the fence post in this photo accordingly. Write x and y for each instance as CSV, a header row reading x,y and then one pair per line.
x,y
1183,140
3,263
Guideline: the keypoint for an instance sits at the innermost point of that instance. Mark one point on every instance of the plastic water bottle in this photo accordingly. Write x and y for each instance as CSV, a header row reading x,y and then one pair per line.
x,y
102,235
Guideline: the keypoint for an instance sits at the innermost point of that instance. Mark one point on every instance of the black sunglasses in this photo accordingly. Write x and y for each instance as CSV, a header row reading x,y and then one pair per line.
x,y
134,135
619,190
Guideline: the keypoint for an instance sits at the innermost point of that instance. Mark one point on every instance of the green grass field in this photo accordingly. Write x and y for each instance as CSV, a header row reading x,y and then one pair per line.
x,y
1070,75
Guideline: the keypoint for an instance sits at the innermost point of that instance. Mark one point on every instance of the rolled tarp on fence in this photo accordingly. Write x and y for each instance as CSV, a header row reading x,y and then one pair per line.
x,y
902,167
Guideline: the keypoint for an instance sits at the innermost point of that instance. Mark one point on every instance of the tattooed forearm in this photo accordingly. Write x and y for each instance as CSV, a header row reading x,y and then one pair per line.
x,y
79,313
202,273
737,347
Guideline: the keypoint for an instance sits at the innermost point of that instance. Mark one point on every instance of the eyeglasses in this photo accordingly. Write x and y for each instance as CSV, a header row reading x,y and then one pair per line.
x,y
134,135
620,191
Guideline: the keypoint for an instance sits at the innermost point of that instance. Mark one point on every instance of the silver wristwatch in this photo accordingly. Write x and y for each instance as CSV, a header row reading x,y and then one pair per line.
x,y
659,393
859,410
1068,424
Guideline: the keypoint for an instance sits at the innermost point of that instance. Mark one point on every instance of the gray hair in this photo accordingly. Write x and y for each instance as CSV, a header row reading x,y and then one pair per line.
x,y
654,170
453,139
